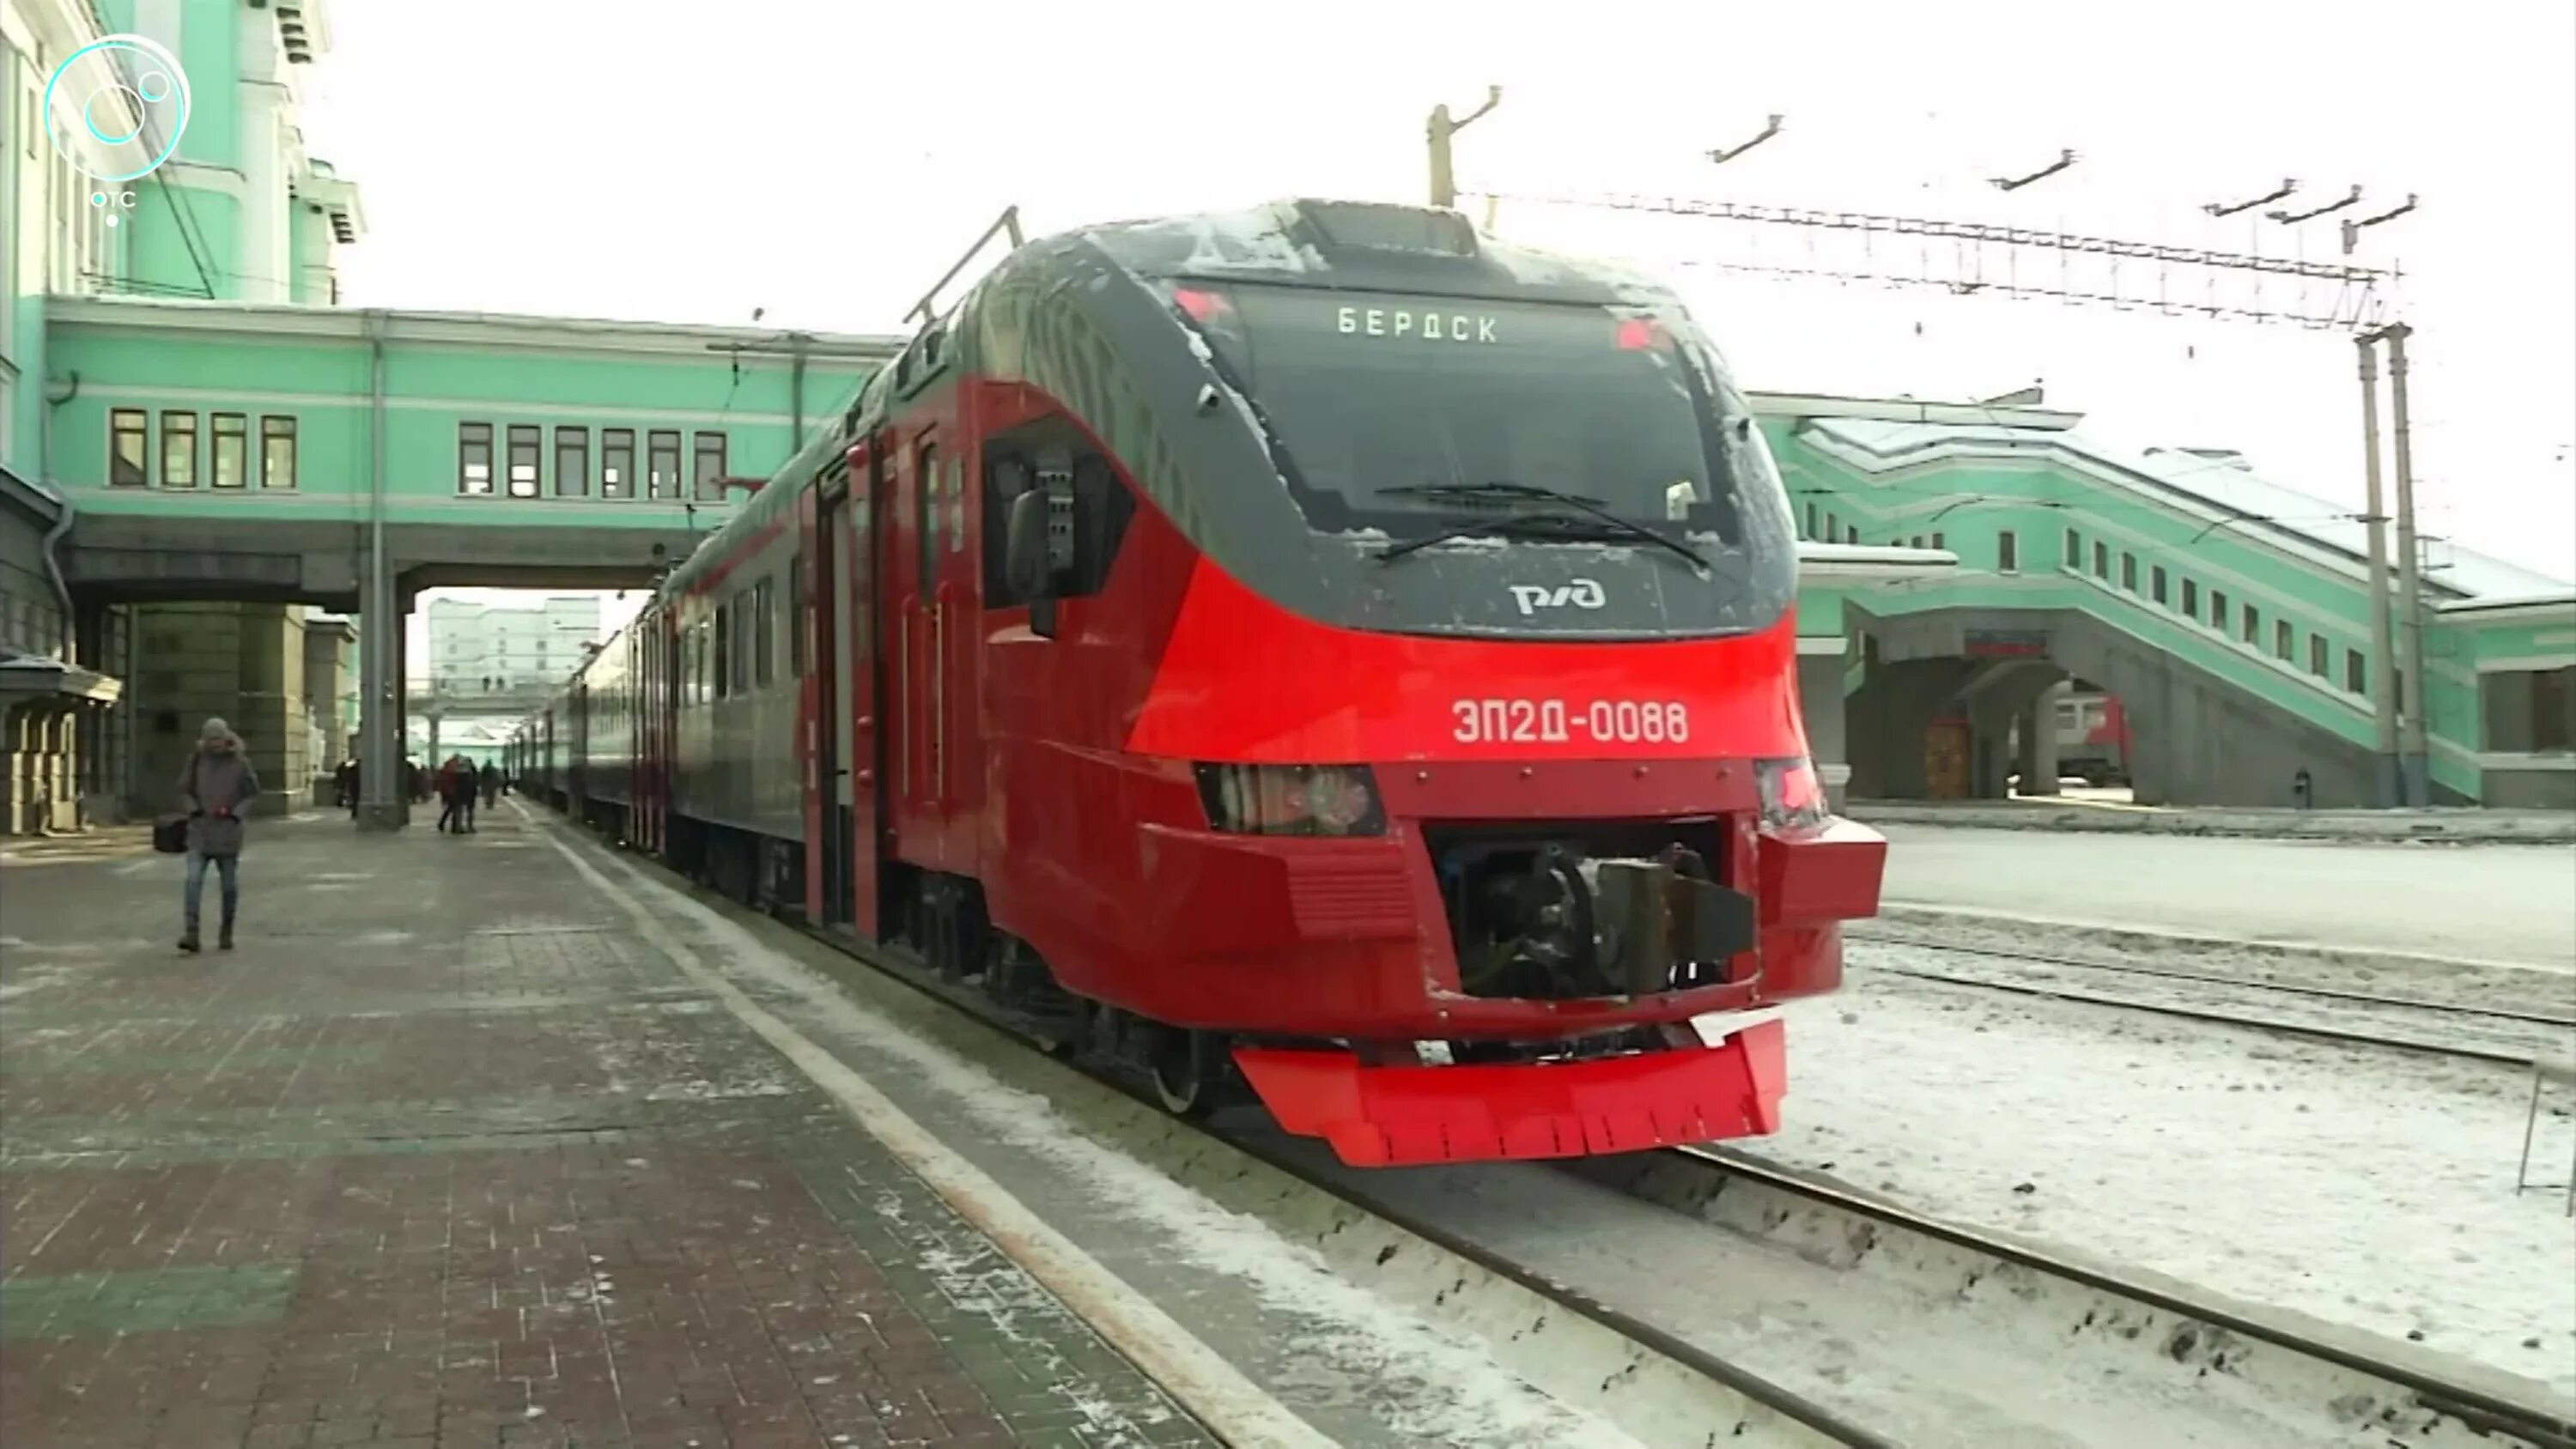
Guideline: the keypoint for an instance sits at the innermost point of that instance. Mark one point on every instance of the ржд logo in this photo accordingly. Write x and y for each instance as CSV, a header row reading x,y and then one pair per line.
x,y
1580,594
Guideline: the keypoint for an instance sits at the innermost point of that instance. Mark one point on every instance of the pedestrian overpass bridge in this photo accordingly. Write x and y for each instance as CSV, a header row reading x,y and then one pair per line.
x,y
246,451
2228,613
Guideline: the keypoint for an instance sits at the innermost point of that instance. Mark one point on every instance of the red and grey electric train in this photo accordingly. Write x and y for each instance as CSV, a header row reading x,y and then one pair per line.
x,y
1323,649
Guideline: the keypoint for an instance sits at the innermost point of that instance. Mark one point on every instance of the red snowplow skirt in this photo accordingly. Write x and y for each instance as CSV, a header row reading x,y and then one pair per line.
x,y
1397,1116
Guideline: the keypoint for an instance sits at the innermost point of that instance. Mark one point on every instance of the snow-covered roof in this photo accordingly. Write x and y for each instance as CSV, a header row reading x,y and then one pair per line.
x,y
2219,483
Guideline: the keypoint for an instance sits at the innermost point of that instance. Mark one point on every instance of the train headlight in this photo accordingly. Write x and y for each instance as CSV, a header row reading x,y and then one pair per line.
x,y
1792,797
1291,799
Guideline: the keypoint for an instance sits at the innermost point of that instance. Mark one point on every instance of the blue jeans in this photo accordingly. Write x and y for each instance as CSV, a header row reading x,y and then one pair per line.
x,y
228,866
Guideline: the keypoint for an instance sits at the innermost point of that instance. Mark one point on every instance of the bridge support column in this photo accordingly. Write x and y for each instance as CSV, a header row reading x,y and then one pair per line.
x,y
2039,742
384,792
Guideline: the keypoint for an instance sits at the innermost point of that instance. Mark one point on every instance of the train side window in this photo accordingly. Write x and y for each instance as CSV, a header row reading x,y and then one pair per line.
x,y
1102,508
796,616
724,650
925,510
746,604
764,633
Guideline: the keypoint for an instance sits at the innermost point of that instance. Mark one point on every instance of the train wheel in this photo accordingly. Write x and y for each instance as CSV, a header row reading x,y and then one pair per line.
x,y
1184,1066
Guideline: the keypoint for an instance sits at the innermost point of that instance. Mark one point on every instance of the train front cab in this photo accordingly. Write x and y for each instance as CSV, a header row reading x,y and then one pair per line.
x,y
1472,822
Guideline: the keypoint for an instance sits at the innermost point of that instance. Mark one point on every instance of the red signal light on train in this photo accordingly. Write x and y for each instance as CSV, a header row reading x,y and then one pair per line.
x,y
1199,305
1638,334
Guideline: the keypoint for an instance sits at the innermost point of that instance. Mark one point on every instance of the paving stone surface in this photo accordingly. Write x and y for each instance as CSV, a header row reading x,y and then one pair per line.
x,y
444,1155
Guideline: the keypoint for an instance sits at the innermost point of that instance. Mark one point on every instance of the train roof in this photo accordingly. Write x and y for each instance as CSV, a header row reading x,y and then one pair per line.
x,y
1350,245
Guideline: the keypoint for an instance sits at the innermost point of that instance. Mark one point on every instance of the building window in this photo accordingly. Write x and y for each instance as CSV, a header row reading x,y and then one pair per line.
x,y
525,441
709,472
1916,541
2129,572
617,462
572,462
2191,598
2074,550
662,455
1833,527
2317,655
2007,552
232,450
474,458
276,452
178,450
764,639
128,443
2253,626
2102,561
2355,674
2285,640
1940,541
1811,520
2218,610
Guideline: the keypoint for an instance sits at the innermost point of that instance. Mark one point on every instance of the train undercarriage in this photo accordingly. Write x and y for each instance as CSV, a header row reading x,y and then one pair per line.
x,y
1608,913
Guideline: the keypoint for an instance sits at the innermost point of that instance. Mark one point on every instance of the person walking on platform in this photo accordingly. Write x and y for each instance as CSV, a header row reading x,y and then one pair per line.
x,y
216,786
449,818
491,784
468,785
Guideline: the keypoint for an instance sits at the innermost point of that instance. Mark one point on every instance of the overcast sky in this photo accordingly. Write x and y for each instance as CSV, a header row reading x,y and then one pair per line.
x,y
827,161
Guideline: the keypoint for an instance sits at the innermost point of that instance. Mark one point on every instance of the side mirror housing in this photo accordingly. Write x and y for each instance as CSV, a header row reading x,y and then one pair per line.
x,y
1025,560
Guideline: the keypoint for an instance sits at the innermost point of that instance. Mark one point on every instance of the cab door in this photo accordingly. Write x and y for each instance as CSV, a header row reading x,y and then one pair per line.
x,y
852,538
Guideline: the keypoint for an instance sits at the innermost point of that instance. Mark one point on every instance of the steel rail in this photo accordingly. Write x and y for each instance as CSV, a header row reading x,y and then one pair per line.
x,y
2478,1408
2330,993
2350,1036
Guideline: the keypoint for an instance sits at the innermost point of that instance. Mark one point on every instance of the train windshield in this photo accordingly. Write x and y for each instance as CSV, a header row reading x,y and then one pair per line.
x,y
1386,405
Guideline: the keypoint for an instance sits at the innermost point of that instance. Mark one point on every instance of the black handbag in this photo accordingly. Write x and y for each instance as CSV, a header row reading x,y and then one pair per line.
x,y
170,835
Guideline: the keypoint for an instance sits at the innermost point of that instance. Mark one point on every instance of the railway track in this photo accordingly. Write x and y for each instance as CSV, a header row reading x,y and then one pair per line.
x,y
2326,1013
1805,1213
1681,1391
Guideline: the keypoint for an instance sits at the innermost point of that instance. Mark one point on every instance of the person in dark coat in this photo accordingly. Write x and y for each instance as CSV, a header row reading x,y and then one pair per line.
x,y
451,806
467,786
216,786
491,783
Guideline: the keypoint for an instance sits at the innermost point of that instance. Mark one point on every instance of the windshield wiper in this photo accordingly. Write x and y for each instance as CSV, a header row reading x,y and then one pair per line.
x,y
1529,491
1594,507
1550,523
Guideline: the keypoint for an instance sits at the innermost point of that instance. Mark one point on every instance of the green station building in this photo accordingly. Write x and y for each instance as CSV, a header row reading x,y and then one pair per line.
x,y
221,490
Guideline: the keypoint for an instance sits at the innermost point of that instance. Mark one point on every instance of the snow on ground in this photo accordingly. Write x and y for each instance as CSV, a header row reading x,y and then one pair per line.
x,y
2357,1184
2482,902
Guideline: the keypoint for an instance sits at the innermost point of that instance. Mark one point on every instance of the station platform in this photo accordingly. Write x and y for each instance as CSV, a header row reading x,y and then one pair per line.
x,y
447,1153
